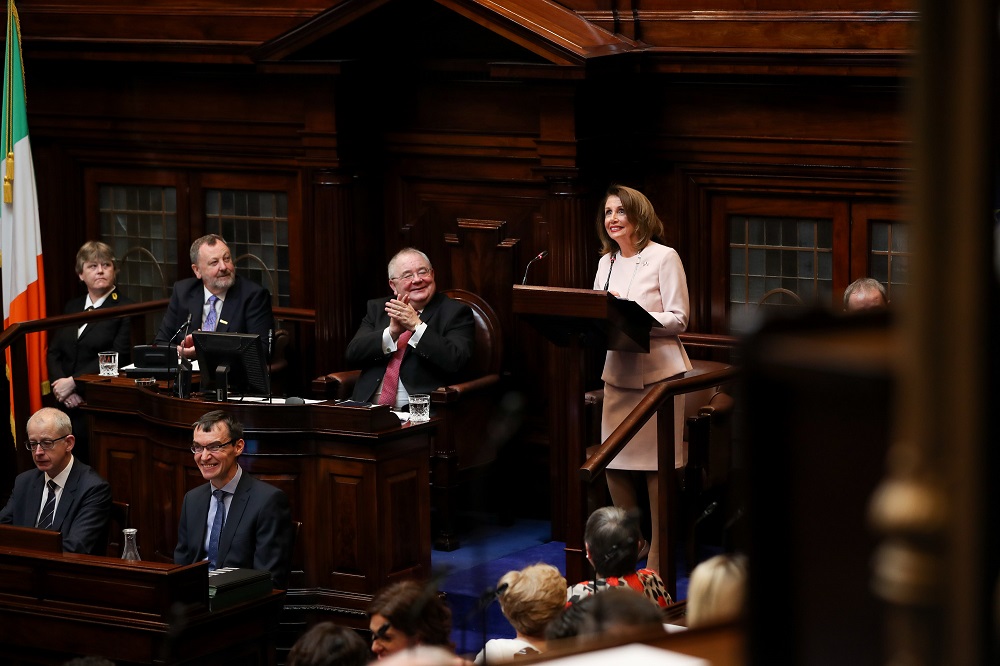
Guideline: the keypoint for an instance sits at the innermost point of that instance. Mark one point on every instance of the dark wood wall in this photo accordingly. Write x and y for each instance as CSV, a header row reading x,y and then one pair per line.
x,y
481,135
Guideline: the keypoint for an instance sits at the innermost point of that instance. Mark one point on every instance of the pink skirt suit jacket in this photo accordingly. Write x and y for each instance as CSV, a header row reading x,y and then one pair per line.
x,y
655,280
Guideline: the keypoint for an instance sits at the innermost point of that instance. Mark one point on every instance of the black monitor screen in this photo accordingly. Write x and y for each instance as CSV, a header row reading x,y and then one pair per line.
x,y
241,356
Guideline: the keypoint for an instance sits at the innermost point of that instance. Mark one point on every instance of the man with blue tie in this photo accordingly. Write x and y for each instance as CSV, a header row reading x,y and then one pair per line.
x,y
215,299
234,520
61,493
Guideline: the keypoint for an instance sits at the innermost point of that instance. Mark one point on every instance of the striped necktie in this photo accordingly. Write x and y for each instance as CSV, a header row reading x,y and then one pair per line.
x,y
48,515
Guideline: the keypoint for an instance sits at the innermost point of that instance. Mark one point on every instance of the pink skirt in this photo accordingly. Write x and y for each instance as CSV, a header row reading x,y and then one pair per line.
x,y
640,453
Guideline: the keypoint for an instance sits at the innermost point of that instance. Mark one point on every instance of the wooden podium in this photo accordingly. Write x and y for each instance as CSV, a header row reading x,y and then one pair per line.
x,y
357,481
573,319
56,606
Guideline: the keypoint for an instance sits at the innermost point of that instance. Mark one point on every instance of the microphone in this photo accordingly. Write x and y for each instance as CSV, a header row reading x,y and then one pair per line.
x,y
487,597
540,255
183,327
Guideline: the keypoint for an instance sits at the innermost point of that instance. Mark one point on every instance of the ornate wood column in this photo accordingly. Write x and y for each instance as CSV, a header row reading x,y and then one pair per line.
x,y
568,233
334,254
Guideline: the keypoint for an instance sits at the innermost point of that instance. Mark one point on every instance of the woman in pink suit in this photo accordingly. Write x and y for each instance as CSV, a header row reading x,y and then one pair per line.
x,y
636,268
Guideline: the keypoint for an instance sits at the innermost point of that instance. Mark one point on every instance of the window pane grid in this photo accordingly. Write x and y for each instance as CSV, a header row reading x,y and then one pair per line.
x,y
139,222
888,256
255,224
777,262
142,231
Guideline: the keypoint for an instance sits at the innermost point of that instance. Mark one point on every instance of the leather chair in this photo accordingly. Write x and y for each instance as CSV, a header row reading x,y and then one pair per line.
x,y
464,409
119,520
278,367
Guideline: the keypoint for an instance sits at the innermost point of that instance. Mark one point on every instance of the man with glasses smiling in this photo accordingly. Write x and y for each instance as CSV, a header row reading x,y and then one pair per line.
x,y
234,520
413,342
62,493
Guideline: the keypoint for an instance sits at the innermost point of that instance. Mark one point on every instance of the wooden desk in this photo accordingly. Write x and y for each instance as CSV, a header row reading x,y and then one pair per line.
x,y
56,606
357,481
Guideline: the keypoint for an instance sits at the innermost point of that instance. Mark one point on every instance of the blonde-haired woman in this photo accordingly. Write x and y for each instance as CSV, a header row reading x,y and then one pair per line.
x,y
717,590
529,599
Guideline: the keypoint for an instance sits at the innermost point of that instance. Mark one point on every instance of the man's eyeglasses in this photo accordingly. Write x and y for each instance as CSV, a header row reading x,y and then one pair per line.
x,y
46,444
211,448
409,277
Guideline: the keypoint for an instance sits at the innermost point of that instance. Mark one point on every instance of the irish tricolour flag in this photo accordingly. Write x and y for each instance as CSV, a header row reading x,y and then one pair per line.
x,y
20,240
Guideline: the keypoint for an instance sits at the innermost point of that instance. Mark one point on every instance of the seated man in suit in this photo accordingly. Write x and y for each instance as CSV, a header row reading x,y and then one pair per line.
x,y
73,350
413,342
62,493
215,299
248,524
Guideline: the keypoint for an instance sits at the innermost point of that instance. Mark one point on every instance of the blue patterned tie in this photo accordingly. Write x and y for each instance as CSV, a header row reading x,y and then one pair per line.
x,y
48,514
217,523
212,318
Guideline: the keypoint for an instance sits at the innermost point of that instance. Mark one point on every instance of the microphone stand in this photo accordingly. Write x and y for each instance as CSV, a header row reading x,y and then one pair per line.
x,y
182,377
540,255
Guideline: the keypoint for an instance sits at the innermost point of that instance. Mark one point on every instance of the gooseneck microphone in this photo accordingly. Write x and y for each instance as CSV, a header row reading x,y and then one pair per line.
x,y
183,327
540,255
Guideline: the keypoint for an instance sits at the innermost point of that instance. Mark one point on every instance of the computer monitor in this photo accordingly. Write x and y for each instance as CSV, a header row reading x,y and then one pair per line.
x,y
159,361
232,363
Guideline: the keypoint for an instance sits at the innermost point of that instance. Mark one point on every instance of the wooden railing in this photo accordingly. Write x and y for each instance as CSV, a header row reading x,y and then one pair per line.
x,y
13,337
660,401
711,341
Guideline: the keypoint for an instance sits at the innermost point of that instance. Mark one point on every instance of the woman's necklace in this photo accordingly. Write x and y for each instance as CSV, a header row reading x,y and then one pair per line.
x,y
638,260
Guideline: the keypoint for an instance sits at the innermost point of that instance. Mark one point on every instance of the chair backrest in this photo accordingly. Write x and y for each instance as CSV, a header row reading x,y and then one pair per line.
x,y
488,357
120,519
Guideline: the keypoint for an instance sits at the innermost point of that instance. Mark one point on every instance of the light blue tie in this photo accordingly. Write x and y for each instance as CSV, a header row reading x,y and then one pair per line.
x,y
217,523
212,318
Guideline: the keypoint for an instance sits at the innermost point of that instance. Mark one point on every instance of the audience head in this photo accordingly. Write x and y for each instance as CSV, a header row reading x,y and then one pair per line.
x,y
641,218
50,440
612,538
220,431
616,610
89,661
213,264
328,644
717,590
97,267
411,275
531,597
406,614
865,294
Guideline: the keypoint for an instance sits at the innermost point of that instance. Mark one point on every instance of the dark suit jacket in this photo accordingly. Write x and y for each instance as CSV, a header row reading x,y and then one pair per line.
x,y
257,533
83,512
70,356
247,309
437,360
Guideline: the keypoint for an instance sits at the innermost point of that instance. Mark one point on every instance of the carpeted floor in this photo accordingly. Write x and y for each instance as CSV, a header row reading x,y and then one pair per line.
x,y
468,574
